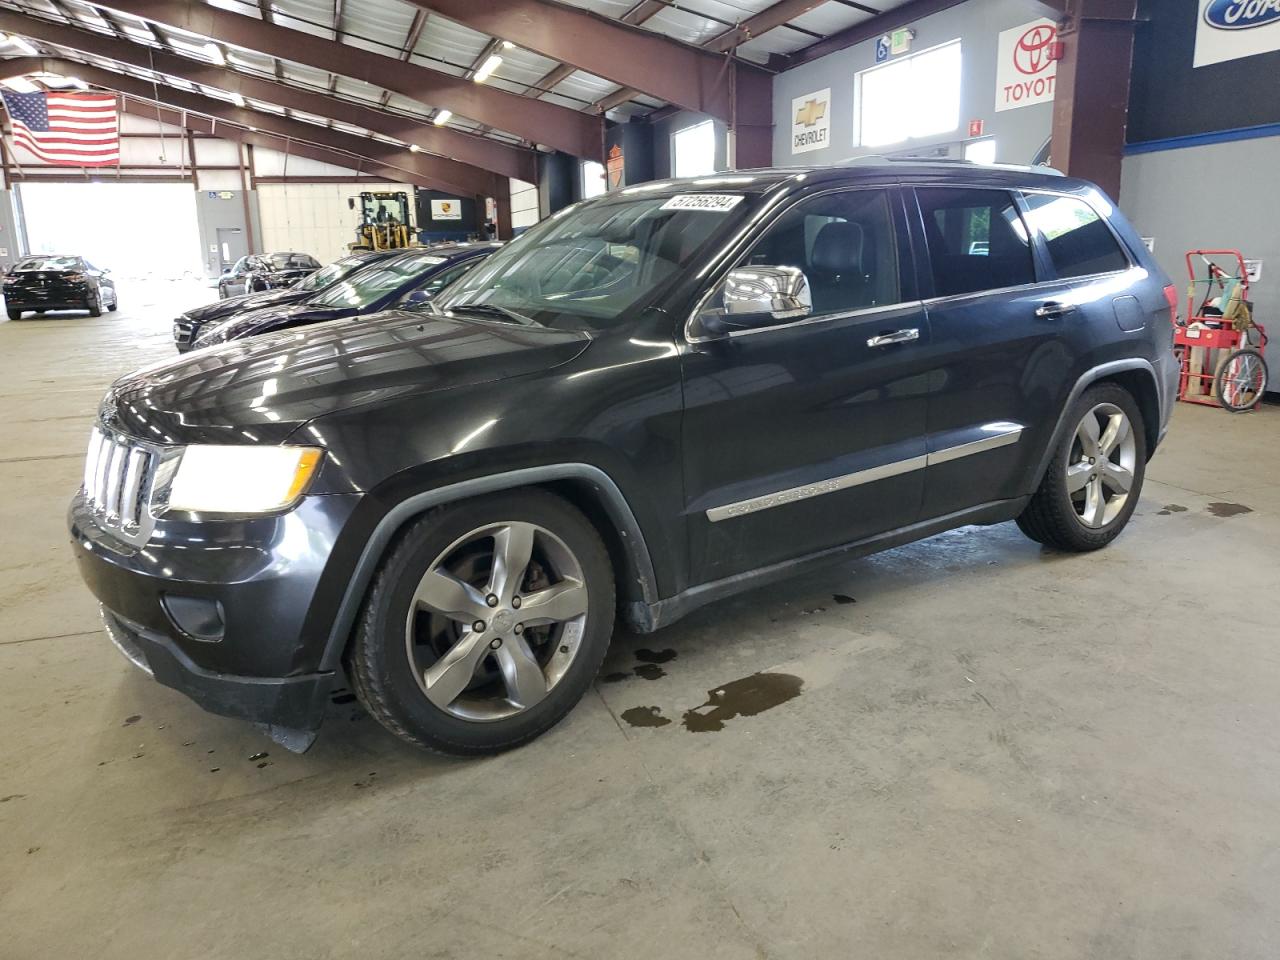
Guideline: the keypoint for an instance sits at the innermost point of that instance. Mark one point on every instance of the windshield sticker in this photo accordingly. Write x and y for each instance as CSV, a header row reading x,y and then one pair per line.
x,y
711,202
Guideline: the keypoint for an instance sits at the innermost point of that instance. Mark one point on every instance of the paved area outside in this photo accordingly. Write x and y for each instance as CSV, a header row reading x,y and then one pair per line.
x,y
991,750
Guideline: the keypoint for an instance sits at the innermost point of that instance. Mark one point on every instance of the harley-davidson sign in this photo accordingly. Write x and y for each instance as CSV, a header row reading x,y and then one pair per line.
x,y
1025,69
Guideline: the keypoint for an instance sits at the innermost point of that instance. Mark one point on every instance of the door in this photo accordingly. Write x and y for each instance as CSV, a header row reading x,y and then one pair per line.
x,y
997,359
231,247
810,434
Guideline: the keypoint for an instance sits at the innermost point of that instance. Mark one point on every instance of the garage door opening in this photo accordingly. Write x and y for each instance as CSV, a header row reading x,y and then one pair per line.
x,y
139,230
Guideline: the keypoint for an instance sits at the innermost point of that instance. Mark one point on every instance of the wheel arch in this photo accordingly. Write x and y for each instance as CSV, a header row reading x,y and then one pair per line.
x,y
1138,377
584,485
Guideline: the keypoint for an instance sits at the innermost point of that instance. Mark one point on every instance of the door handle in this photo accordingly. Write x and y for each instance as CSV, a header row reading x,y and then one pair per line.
x,y
1054,308
897,336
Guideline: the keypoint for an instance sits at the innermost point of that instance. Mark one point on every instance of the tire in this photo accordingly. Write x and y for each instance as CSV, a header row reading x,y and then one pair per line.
x,y
222,292
1241,381
94,305
115,302
14,314
1094,514
394,654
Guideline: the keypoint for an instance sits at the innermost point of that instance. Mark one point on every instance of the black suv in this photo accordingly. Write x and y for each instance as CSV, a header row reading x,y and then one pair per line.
x,y
647,402
267,271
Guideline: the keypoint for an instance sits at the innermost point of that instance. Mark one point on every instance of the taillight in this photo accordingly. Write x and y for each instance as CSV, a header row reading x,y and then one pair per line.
x,y
1171,295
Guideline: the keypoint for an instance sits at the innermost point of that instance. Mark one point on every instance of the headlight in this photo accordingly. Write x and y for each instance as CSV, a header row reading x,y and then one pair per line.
x,y
214,478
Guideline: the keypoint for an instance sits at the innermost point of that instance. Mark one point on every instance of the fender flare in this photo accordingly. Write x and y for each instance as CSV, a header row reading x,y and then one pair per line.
x,y
374,549
1086,380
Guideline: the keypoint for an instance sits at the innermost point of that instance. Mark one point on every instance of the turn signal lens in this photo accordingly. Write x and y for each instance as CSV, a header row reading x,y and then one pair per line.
x,y
1171,295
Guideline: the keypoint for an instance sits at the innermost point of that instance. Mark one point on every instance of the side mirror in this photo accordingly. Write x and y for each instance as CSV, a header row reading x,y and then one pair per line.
x,y
760,296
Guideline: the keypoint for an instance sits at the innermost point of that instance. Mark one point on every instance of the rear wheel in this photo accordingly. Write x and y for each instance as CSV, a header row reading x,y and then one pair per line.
x,y
1092,484
1241,380
14,314
485,624
115,302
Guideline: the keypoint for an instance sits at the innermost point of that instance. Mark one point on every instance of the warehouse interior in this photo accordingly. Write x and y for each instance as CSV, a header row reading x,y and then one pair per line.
x,y
981,747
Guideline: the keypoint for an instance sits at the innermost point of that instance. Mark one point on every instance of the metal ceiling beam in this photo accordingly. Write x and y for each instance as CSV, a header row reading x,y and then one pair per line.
x,y
686,75
471,154
534,120
770,18
867,30
425,167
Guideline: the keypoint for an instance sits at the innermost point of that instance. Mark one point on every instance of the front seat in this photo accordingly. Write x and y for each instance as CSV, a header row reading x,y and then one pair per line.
x,y
837,278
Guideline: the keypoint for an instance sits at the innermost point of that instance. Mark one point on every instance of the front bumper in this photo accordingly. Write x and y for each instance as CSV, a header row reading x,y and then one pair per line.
x,y
231,613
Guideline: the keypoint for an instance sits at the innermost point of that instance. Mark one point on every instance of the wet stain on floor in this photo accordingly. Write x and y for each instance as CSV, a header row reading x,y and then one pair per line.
x,y
1228,509
843,598
130,721
616,677
645,717
649,671
645,655
1169,508
742,698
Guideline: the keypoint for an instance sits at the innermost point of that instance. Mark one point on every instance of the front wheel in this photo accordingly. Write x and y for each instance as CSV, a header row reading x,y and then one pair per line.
x,y
94,305
14,314
1241,380
1091,486
486,623
115,302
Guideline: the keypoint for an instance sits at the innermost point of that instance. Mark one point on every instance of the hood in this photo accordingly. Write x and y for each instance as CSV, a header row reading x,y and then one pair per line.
x,y
261,390
271,318
220,309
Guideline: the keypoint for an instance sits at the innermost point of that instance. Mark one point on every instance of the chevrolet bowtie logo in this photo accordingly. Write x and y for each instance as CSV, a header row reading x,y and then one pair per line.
x,y
811,112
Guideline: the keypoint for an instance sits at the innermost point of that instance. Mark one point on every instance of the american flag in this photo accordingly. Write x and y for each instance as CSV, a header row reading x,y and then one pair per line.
x,y
69,129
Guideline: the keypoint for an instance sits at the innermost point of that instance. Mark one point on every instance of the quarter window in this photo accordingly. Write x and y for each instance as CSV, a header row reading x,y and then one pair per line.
x,y
844,243
977,240
1077,240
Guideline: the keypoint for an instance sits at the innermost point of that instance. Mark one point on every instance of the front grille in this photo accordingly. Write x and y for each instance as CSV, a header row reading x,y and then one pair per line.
x,y
183,330
118,473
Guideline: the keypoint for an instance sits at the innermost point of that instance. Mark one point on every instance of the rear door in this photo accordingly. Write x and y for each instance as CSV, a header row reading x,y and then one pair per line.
x,y
996,361
810,434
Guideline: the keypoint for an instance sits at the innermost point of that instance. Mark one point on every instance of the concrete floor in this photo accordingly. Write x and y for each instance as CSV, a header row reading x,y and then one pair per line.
x,y
996,751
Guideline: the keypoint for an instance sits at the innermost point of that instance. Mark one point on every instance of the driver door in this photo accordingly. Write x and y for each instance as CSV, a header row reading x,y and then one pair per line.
x,y
810,433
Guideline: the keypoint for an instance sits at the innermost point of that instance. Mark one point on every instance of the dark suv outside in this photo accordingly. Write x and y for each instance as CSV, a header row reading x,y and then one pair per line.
x,y
647,402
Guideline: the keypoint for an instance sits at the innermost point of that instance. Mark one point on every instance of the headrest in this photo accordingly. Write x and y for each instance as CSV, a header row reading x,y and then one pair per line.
x,y
838,248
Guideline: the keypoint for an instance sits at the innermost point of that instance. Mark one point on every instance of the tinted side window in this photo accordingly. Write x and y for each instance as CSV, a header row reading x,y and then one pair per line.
x,y
844,242
977,240
1078,241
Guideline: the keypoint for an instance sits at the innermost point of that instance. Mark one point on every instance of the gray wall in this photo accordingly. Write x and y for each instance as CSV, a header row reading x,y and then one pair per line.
x,y
1182,199
215,212
10,242
1019,133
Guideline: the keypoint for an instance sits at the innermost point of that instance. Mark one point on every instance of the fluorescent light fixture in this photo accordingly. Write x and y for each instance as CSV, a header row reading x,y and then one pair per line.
x,y
491,64
442,117
215,53
508,45
415,148
21,85
237,99
25,45
77,83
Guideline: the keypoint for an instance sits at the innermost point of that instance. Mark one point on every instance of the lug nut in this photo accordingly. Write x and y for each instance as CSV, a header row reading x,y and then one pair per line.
x,y
495,643
515,602
491,600
478,626
519,629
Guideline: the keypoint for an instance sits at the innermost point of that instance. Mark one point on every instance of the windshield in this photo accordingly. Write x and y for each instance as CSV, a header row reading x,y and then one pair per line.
x,y
330,274
48,263
366,286
292,261
591,263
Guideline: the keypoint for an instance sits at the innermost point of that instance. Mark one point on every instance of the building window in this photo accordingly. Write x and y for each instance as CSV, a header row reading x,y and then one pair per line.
x,y
593,182
694,150
981,151
909,98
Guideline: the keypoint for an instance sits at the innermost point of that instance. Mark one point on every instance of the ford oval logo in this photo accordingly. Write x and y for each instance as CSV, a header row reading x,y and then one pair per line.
x,y
1241,14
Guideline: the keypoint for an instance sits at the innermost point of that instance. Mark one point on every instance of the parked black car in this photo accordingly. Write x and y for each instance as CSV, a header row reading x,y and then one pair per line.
x,y
187,327
50,282
267,271
652,400
402,279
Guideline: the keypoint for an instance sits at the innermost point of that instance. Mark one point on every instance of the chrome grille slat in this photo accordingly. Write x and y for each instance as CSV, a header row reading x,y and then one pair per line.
x,y
118,474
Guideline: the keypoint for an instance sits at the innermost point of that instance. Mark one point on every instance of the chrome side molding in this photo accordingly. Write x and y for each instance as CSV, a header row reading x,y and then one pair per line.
x,y
999,434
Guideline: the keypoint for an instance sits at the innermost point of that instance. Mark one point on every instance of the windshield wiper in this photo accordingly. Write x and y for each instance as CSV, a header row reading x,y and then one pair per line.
x,y
491,310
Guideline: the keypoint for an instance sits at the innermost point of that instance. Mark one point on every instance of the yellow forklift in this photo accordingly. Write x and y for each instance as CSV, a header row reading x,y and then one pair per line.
x,y
385,222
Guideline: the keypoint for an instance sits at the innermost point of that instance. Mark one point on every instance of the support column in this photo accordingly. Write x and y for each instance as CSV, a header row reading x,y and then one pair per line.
x,y
1091,96
751,132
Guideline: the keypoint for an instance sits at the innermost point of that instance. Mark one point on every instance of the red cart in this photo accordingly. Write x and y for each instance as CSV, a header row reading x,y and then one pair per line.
x,y
1220,345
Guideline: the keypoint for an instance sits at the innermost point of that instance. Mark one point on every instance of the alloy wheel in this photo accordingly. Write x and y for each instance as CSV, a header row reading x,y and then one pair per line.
x,y
496,621
1101,466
